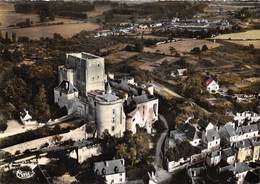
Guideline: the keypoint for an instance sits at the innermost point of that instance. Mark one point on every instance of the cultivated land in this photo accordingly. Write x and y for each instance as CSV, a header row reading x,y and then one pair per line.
x,y
248,35
119,57
68,28
256,43
184,45
9,17
65,30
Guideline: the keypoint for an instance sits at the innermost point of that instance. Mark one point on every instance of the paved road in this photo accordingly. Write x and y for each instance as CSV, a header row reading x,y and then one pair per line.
x,y
161,175
160,142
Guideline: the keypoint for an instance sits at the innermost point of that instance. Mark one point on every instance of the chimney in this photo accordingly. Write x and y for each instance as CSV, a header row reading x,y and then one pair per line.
x,y
150,90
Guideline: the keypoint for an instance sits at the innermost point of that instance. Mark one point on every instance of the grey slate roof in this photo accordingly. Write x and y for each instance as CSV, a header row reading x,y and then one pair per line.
x,y
256,143
250,128
142,98
241,167
190,131
212,135
239,131
227,131
203,124
230,130
109,167
215,153
228,152
243,144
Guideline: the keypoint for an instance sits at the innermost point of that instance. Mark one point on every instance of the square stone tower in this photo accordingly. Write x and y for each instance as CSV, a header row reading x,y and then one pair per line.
x,y
89,71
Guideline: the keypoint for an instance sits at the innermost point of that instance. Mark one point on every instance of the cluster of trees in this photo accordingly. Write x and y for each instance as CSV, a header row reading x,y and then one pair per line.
x,y
3,124
157,10
75,14
183,149
48,10
197,50
244,14
137,47
15,56
192,33
133,148
29,87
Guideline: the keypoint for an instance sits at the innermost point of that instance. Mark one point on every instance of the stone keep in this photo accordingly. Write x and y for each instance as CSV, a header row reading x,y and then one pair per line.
x,y
88,71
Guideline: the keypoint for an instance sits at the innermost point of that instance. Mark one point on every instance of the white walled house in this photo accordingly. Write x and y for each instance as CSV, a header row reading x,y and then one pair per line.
x,y
240,171
173,165
112,171
247,115
250,131
211,85
26,118
213,158
211,137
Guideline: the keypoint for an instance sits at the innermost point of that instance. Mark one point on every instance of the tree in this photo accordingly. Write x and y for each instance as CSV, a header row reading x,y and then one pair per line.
x,y
251,46
57,36
181,62
135,148
42,109
121,150
13,37
15,92
204,48
172,50
3,124
6,55
139,46
56,138
132,156
28,22
7,37
195,50
17,56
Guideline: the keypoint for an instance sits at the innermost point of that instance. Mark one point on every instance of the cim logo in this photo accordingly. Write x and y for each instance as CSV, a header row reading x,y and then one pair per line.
x,y
24,174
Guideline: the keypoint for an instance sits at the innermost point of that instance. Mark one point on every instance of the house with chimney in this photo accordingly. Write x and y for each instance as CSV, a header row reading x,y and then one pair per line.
x,y
210,137
110,171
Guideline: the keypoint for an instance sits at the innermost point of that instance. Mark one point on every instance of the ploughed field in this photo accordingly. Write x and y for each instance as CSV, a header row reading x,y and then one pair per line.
x,y
65,26
65,30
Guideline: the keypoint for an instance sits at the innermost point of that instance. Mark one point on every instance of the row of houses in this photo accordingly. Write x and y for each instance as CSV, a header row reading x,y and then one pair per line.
x,y
175,23
235,142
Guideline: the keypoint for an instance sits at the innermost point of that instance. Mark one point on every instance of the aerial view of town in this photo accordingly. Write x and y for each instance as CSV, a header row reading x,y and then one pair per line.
x,y
129,92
